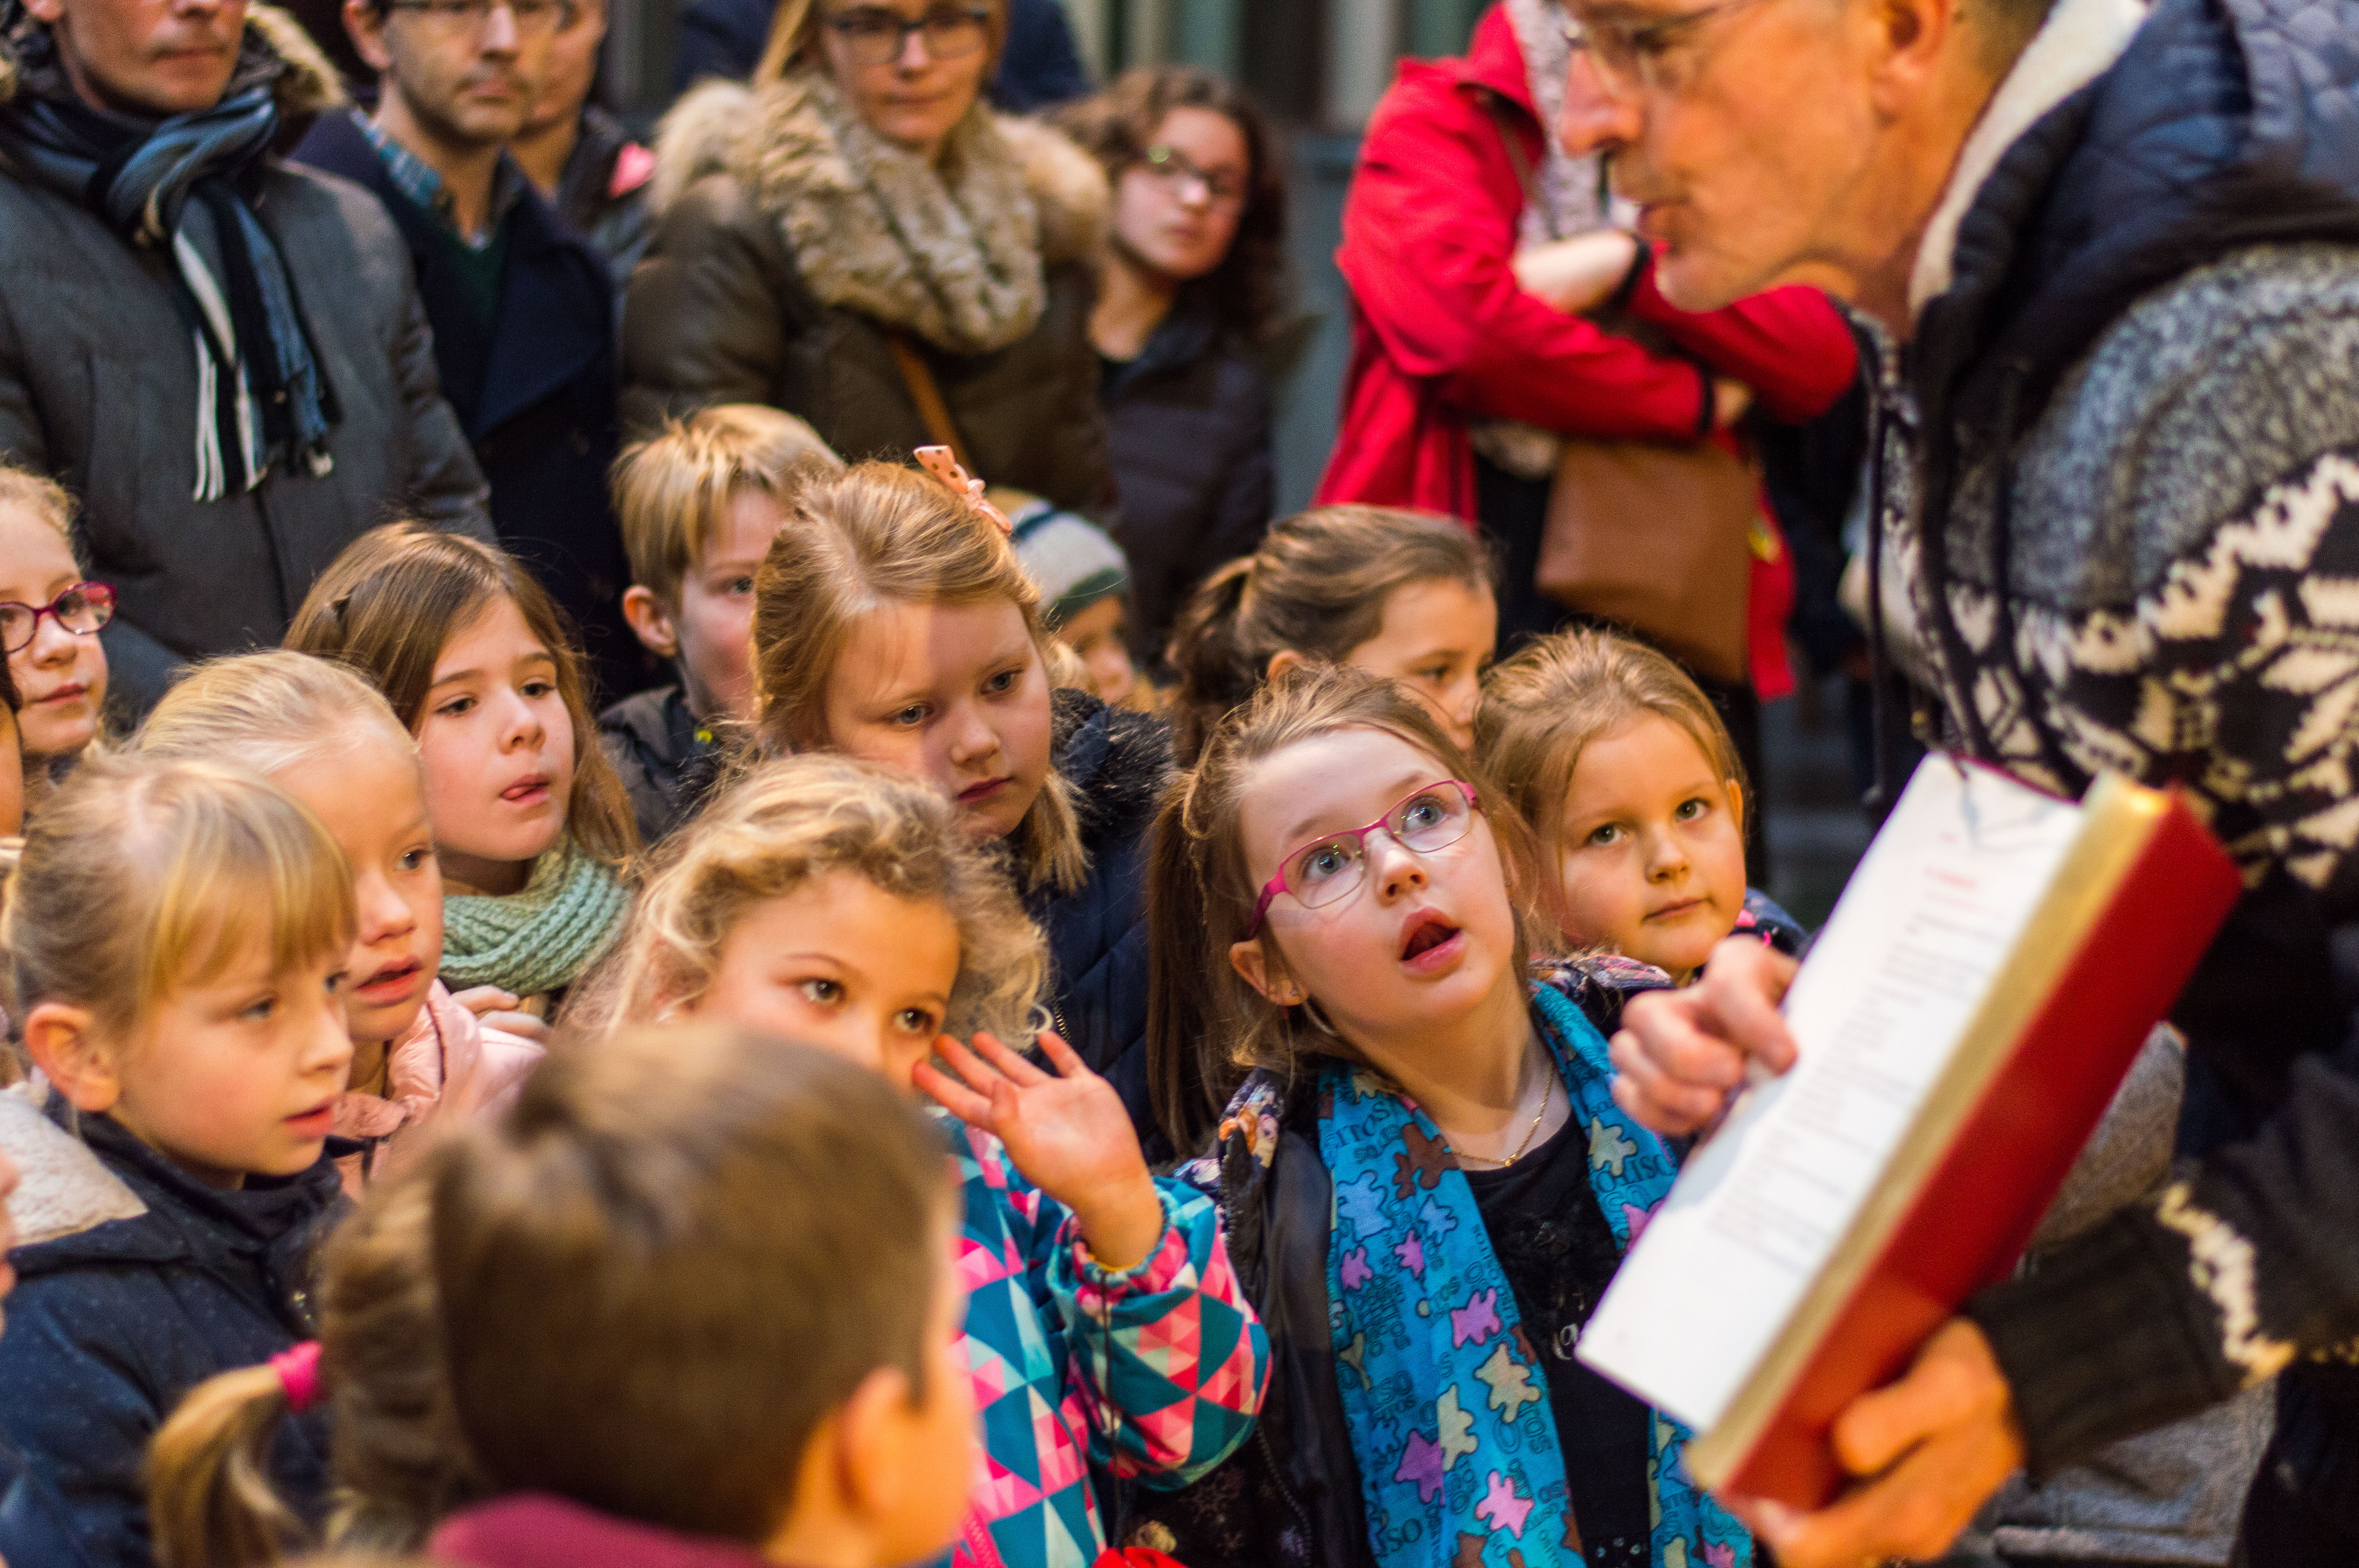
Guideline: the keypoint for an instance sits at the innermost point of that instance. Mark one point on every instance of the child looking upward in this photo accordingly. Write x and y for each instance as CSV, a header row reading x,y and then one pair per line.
x,y
530,825
838,902
1625,770
326,737
698,505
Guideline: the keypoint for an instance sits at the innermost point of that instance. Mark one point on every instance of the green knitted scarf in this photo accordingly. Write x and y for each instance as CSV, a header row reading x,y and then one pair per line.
x,y
538,940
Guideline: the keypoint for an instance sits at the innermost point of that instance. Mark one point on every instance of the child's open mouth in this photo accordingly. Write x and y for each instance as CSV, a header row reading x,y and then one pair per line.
x,y
388,984
1428,933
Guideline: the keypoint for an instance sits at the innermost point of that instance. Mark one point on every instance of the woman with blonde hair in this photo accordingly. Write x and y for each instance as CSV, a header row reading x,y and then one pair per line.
x,y
856,238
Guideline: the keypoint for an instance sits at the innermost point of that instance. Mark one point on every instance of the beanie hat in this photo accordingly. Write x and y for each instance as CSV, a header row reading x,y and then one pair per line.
x,y
1072,560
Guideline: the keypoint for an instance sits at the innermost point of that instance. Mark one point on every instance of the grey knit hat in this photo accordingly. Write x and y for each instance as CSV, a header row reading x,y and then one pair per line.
x,y
1070,558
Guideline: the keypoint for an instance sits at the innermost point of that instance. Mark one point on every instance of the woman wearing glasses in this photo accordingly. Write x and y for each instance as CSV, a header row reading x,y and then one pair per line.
x,y
858,239
49,624
1189,291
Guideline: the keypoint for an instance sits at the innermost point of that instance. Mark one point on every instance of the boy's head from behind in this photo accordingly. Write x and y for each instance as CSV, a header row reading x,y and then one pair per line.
x,y
703,1279
698,505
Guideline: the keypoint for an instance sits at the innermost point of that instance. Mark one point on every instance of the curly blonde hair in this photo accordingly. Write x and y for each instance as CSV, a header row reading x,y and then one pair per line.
x,y
789,822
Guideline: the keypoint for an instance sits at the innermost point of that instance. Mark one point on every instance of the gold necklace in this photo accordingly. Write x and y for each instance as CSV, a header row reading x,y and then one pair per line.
x,y
1548,1095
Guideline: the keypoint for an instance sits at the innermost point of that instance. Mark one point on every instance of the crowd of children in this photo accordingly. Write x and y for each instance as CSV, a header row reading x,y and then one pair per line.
x,y
1198,1134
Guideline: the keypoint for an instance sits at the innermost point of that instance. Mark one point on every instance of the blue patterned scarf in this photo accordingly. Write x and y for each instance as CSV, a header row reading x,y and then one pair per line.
x,y
178,185
1446,1402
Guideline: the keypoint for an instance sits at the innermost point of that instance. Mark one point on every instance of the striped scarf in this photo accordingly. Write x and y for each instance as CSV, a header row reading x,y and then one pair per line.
x,y
180,185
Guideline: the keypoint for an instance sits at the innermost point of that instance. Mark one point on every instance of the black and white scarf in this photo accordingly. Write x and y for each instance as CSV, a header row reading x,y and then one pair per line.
x,y
263,398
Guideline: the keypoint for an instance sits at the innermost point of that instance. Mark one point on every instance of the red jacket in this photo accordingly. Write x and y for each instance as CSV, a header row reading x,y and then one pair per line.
x,y
1443,334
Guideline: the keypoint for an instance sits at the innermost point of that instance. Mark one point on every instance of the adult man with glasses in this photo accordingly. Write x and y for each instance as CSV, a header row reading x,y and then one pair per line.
x,y
522,306
222,355
2112,250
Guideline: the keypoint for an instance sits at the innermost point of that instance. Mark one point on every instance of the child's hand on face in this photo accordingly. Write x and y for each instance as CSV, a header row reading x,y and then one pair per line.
x,y
1066,1131
496,1009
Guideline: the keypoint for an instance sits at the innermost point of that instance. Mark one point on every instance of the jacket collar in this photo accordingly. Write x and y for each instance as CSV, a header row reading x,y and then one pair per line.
x,y
537,1530
1116,762
2080,42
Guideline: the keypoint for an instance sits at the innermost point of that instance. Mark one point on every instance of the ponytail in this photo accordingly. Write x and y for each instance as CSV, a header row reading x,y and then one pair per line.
x,y
210,1502
1189,1082
1215,673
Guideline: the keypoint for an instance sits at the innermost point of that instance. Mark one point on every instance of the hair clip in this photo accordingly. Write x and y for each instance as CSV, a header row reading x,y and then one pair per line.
x,y
298,1366
943,464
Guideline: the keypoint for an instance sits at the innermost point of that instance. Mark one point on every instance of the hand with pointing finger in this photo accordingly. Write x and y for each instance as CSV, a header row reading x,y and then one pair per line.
x,y
1680,1054
1065,1132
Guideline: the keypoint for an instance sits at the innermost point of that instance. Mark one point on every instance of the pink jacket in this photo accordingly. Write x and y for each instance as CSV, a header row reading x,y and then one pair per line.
x,y
448,1062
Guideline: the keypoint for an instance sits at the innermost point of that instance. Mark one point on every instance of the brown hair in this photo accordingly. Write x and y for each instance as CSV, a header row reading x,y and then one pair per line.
x,y
1205,1027
141,872
1317,587
877,534
1116,126
672,490
271,710
794,28
399,1463
796,819
390,603
1542,708
678,1253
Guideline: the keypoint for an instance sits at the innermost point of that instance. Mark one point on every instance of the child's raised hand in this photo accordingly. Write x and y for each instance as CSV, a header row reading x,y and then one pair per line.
x,y
496,1009
1066,1131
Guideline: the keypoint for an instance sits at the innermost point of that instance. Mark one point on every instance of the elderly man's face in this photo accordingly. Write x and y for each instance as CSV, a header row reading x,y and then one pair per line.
x,y
1743,130
147,58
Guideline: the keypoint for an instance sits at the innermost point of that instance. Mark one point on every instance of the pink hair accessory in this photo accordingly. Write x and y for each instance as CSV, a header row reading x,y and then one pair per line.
x,y
298,1366
943,464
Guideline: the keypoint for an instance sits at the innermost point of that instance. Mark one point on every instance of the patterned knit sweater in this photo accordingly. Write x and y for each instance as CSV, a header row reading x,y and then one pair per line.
x,y
2129,534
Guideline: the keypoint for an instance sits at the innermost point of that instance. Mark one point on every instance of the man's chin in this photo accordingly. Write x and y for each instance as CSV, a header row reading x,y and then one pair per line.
x,y
1695,280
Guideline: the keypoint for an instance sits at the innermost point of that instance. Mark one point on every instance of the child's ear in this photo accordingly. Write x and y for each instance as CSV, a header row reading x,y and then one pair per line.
x,y
1267,975
1735,804
873,1461
1285,659
63,1041
651,621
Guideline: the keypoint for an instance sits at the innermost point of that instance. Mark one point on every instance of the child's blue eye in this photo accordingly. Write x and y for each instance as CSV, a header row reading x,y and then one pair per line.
x,y
415,859
912,715
825,993
259,1010
1605,835
741,585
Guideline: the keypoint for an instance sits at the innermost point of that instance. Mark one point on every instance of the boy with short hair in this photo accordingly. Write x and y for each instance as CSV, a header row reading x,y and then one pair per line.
x,y
699,505
700,1301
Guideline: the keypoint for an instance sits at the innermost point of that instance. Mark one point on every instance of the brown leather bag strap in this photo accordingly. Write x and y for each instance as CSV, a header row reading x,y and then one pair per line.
x,y
928,395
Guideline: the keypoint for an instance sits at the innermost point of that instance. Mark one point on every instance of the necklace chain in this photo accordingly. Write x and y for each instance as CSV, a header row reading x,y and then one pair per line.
x,y
1548,1097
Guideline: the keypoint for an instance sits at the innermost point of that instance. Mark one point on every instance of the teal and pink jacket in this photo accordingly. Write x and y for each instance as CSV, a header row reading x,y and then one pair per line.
x,y
1154,1374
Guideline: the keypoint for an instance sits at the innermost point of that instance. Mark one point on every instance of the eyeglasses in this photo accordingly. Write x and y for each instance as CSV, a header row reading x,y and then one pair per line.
x,y
1632,56
534,18
1177,171
81,609
1333,869
874,36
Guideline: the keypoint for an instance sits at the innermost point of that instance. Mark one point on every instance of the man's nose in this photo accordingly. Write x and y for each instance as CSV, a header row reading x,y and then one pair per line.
x,y
1596,118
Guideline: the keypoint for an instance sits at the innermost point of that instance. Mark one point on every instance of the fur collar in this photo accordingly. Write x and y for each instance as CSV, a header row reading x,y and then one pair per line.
x,y
1117,762
306,85
952,253
65,1189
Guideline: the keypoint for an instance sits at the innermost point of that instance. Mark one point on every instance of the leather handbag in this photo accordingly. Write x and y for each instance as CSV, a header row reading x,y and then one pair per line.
x,y
1653,536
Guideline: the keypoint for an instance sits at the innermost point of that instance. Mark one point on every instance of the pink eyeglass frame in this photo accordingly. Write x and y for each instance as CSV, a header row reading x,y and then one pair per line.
x,y
1277,884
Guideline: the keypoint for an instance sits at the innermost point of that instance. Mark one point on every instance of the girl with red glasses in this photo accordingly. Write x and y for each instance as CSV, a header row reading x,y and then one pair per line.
x,y
49,619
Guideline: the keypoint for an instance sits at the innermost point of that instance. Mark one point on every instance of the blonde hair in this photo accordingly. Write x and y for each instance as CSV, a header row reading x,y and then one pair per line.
x,y
1317,587
42,496
672,490
1543,708
394,600
794,28
1205,1026
272,710
879,534
795,820
143,872
399,1461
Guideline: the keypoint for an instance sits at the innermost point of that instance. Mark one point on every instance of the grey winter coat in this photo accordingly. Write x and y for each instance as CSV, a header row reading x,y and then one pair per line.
x,y
98,388
790,244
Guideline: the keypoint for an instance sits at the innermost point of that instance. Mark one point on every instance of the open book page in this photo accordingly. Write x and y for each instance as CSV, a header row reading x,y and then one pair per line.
x,y
1877,1010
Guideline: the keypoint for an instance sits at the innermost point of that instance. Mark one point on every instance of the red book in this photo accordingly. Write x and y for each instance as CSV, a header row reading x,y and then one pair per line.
x,y
1976,998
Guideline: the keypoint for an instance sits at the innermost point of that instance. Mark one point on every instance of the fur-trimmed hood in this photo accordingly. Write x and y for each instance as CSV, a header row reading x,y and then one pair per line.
x,y
306,85
63,1189
953,250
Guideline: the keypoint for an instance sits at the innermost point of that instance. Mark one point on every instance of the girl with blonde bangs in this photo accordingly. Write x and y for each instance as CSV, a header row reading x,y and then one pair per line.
x,y
328,739
176,939
1413,1146
531,826
839,903
893,622
1627,774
